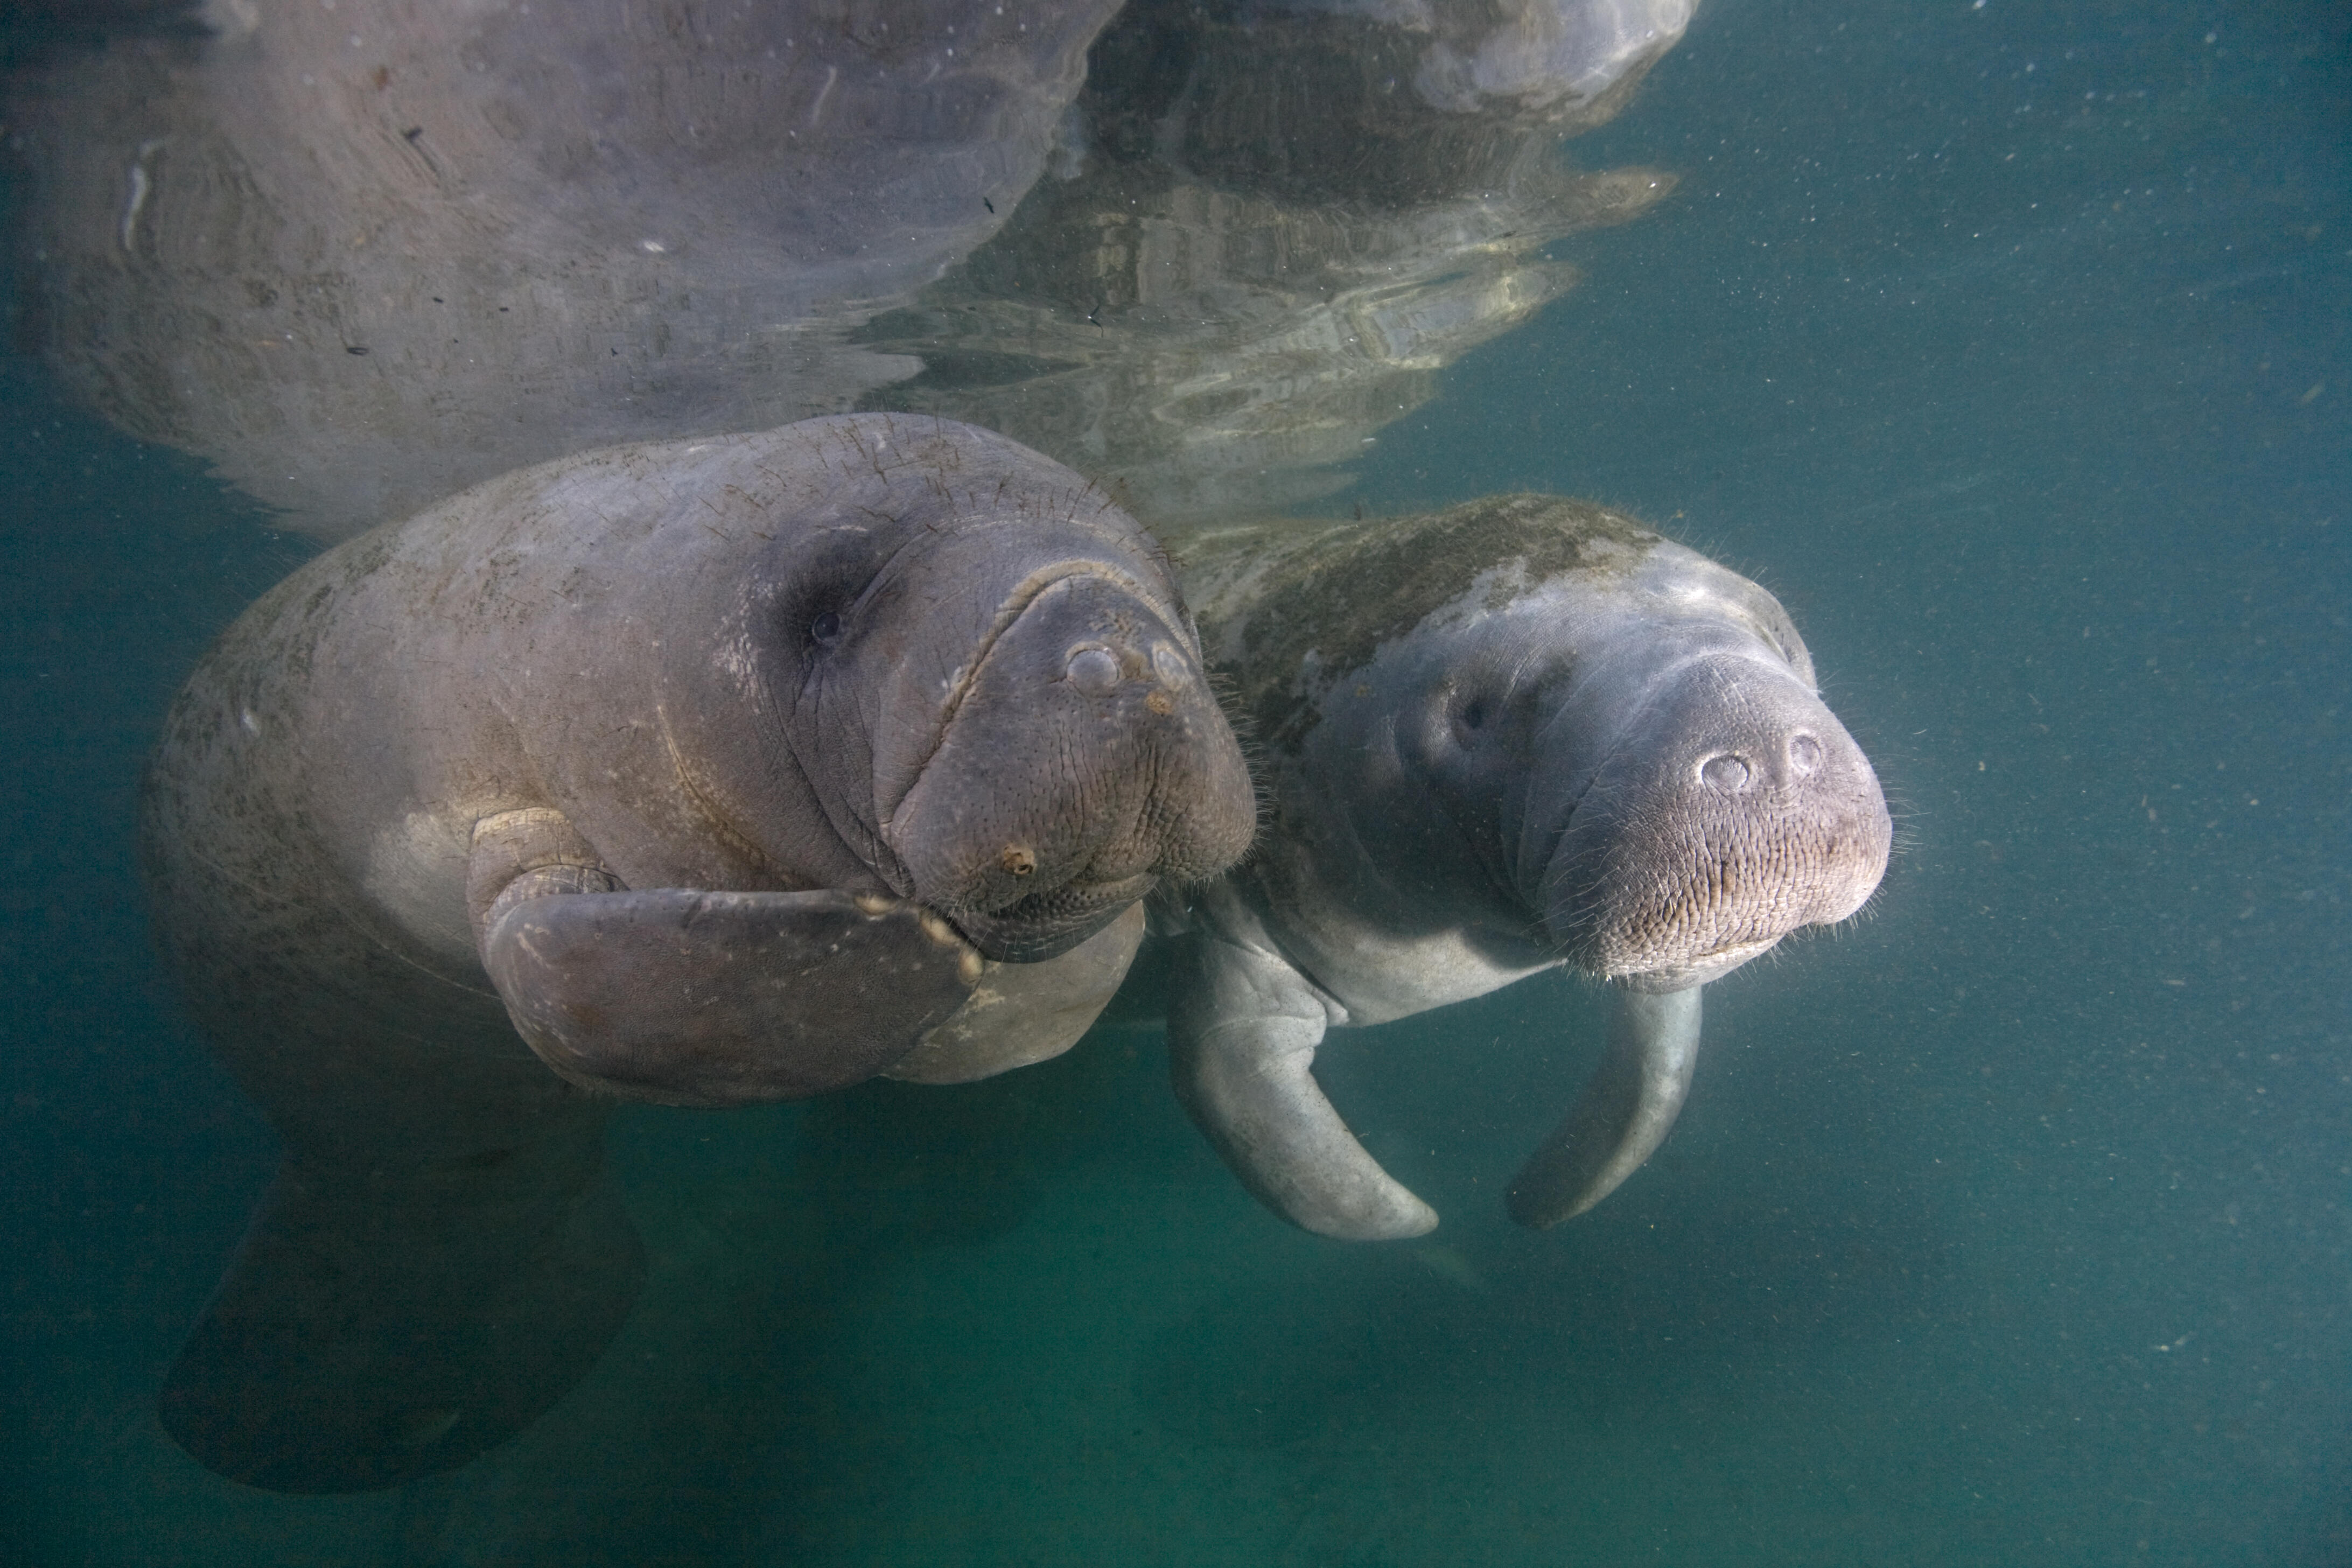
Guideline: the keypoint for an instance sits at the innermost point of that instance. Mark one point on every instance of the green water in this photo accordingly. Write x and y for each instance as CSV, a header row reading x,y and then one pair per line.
x,y
2006,1226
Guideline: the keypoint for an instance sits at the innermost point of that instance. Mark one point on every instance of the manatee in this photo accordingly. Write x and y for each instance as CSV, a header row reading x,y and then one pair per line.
x,y
704,773
1520,733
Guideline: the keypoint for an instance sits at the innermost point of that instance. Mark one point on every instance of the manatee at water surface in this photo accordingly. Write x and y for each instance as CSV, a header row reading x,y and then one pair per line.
x,y
1519,734
704,772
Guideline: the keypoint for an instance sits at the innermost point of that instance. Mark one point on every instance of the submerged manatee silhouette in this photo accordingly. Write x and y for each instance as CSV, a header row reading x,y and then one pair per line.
x,y
1519,734
692,771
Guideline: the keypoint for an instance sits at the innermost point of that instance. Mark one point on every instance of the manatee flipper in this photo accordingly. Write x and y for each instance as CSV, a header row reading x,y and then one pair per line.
x,y
384,1321
1242,1035
702,998
1024,1013
1628,1107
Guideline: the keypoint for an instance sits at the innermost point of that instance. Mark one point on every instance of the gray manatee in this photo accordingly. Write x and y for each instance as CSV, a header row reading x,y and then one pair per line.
x,y
1519,734
705,773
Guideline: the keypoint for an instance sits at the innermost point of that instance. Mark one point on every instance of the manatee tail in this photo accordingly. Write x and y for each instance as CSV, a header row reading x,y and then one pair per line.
x,y
399,1320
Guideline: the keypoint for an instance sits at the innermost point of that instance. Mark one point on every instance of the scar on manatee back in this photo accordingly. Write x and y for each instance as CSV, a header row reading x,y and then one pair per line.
x,y
1335,595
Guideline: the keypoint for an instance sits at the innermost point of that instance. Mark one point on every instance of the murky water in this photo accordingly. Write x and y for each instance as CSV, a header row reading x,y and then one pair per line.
x,y
2009,346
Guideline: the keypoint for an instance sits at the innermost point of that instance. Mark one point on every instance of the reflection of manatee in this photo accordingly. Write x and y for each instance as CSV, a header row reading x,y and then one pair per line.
x,y
1337,100
1271,246
362,255
1520,733
669,758
1562,59
1220,352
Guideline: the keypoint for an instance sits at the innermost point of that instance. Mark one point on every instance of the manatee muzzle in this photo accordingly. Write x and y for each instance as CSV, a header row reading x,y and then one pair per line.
x,y
1082,759
1736,809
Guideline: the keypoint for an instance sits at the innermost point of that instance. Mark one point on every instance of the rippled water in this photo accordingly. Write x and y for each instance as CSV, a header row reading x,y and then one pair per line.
x,y
2008,344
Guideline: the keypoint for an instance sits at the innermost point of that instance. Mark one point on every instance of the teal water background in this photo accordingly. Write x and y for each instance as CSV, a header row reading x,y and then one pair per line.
x,y
2008,344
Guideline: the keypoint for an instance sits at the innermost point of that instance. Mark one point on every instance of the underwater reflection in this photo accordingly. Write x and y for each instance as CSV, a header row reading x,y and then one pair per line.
x,y
1267,233
361,257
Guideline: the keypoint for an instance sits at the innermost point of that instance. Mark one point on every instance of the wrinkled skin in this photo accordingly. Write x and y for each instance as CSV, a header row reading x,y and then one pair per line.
x,y
1521,733
705,773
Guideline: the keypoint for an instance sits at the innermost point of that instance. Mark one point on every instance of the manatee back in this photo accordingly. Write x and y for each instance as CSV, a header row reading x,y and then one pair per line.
x,y
1286,609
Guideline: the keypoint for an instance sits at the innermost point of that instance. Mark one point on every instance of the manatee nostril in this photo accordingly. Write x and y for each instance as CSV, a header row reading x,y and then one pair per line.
x,y
1726,772
1169,666
1804,754
1094,670
1020,861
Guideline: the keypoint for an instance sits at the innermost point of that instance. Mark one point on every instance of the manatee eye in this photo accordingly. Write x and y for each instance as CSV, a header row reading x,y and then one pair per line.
x,y
1467,720
827,628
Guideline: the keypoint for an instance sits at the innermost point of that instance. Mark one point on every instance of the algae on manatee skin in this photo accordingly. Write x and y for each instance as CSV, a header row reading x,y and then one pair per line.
x,y
1288,608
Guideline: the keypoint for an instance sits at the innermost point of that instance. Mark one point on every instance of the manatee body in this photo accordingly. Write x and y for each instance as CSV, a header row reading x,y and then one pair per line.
x,y
704,772
1520,733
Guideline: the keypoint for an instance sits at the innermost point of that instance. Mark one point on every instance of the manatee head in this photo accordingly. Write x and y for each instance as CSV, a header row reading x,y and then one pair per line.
x,y
1714,803
985,675
1519,733
1566,725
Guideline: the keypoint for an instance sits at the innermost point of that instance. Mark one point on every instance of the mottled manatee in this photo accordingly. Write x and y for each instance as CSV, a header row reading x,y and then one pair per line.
x,y
705,773
1520,733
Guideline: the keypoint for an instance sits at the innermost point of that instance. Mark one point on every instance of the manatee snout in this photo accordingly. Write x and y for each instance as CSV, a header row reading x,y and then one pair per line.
x,y
1735,810
1085,759
1732,809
